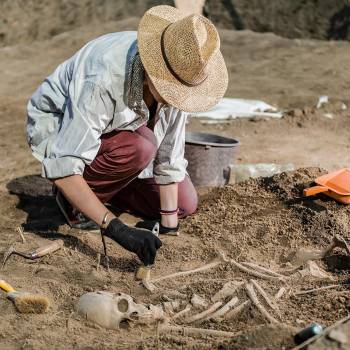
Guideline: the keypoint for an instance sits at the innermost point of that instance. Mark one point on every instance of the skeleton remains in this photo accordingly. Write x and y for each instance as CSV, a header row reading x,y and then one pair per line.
x,y
110,310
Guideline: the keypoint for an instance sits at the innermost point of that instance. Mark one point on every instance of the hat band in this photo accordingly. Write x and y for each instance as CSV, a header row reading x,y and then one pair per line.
x,y
176,76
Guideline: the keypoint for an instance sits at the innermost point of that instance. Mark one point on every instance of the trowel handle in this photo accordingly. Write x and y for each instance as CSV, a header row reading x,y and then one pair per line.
x,y
314,190
47,249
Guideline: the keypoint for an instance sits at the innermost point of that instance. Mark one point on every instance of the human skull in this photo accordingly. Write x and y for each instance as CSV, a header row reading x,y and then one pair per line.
x,y
109,310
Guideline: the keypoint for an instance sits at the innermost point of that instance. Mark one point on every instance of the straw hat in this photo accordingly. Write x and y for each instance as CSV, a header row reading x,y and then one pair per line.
x,y
182,57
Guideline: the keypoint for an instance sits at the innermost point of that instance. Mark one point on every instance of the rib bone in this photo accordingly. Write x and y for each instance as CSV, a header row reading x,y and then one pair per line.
x,y
268,300
182,312
203,314
253,297
223,310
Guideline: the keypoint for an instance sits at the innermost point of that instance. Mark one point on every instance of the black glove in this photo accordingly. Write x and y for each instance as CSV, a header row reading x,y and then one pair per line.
x,y
141,242
163,230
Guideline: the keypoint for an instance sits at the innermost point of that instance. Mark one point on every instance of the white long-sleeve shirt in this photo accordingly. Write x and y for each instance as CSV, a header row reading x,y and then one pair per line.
x,y
84,98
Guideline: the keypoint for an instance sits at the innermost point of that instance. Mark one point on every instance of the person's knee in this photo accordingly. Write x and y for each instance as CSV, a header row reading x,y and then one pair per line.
x,y
189,204
144,152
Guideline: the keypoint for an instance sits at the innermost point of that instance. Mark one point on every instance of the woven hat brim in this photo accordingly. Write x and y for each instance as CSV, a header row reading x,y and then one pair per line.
x,y
198,98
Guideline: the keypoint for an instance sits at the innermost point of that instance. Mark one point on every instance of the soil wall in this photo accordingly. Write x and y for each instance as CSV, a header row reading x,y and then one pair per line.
x,y
28,20
317,19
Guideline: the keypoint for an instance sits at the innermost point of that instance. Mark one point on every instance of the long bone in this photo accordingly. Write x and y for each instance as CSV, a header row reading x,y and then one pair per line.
x,y
254,272
262,269
194,331
202,315
220,259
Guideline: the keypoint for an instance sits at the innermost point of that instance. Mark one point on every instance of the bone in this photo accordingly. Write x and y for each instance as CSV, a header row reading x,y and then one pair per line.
x,y
262,269
227,290
203,314
182,312
220,259
191,331
265,296
253,272
238,309
223,310
254,299
171,306
198,301
280,293
321,289
175,294
311,270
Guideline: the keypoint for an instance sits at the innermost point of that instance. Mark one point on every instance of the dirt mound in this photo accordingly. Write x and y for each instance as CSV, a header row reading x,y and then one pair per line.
x,y
266,218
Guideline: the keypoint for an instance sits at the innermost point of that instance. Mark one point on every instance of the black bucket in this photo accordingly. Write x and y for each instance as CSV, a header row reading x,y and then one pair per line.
x,y
209,158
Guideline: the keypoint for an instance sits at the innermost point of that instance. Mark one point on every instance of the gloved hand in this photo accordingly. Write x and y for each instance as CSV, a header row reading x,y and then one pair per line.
x,y
163,230
141,242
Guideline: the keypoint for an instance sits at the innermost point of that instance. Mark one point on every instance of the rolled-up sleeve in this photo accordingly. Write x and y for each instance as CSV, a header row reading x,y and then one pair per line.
x,y
169,163
88,111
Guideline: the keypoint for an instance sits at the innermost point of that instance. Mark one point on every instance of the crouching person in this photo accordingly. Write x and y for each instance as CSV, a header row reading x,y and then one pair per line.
x,y
109,125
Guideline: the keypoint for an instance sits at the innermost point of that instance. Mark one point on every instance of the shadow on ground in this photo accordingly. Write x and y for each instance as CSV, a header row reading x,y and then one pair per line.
x,y
45,219
36,199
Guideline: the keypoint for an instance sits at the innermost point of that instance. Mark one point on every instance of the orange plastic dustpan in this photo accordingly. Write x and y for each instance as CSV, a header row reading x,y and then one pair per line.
x,y
335,185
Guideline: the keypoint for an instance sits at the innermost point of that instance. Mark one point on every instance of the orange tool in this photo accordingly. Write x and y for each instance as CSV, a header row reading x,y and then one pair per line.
x,y
335,185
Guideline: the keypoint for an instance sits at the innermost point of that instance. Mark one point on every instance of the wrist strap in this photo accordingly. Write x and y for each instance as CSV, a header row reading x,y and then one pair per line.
x,y
169,212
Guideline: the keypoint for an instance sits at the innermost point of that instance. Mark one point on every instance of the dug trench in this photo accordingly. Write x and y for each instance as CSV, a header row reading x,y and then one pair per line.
x,y
262,221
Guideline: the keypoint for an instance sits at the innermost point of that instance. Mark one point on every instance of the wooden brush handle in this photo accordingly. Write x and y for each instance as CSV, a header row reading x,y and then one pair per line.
x,y
6,287
47,249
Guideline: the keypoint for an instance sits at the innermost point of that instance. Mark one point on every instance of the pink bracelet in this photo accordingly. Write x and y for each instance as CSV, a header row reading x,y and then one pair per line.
x,y
169,212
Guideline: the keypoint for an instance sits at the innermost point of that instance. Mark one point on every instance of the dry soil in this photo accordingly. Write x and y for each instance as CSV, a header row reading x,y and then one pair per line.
x,y
261,220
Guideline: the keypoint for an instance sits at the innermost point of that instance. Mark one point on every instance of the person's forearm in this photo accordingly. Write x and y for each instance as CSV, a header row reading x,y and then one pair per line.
x,y
80,195
169,201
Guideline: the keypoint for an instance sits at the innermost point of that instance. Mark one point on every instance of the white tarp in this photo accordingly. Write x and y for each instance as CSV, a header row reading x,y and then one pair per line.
x,y
231,108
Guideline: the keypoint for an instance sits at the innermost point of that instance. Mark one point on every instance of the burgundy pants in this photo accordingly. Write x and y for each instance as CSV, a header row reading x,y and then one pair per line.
x,y
113,175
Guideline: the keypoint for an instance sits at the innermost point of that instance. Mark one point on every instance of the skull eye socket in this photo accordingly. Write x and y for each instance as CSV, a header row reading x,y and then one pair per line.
x,y
123,305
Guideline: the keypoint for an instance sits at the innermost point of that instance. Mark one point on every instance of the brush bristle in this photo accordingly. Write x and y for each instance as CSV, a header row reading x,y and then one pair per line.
x,y
31,303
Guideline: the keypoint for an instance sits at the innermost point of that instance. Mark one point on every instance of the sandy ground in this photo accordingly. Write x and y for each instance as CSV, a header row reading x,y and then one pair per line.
x,y
254,221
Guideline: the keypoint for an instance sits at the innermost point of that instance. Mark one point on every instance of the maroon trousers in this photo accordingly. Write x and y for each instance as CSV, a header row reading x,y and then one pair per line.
x,y
113,175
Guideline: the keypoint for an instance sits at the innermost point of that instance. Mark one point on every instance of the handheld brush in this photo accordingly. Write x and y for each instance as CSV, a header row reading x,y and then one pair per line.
x,y
26,303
